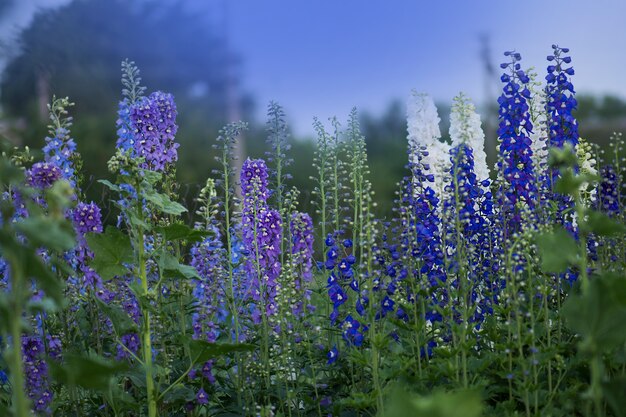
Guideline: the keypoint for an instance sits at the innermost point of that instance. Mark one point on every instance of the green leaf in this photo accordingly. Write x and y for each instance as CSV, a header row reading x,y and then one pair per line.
x,y
90,372
120,320
112,249
557,249
182,232
164,203
202,351
602,225
47,232
174,269
110,185
439,404
179,393
599,315
614,392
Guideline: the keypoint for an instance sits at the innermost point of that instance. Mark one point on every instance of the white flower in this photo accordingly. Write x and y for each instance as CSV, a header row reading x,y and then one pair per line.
x,y
465,128
423,129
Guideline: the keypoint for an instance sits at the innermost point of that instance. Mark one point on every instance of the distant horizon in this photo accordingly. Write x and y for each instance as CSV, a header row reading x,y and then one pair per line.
x,y
321,59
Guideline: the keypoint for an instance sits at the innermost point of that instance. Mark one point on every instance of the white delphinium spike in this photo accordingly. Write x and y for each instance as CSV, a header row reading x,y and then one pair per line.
x,y
423,128
465,128
539,135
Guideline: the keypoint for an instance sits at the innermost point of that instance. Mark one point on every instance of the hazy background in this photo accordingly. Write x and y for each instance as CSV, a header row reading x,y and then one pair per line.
x,y
224,60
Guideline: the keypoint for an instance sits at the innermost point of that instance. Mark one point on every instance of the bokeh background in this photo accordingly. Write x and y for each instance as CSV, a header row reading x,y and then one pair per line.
x,y
224,60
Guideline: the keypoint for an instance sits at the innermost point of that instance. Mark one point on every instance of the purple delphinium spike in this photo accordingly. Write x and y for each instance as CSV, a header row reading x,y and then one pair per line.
x,y
262,231
36,372
153,124
43,174
59,151
301,228
515,165
207,258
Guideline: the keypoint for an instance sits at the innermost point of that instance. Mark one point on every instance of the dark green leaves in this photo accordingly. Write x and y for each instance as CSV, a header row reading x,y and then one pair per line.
x,y
557,249
47,232
600,315
602,225
112,249
202,351
440,404
181,232
164,204
172,268
91,372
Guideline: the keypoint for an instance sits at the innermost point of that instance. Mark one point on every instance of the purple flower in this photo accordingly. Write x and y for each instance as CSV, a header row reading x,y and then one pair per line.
x,y
36,372
87,218
515,164
59,150
153,126
332,355
202,397
43,174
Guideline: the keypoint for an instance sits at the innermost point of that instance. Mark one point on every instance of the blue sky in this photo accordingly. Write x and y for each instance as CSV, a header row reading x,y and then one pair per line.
x,y
321,57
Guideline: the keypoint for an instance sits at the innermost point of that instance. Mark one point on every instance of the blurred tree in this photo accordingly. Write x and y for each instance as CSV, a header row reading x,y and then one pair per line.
x,y
76,50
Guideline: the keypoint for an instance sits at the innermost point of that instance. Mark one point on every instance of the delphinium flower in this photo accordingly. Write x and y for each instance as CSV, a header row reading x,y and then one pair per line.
x,y
60,148
420,240
262,233
469,205
207,258
36,372
132,92
517,191
562,126
465,128
423,129
608,193
153,124
87,218
301,231
43,174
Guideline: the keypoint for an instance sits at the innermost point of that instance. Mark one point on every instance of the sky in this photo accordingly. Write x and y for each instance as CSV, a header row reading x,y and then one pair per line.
x,y
322,57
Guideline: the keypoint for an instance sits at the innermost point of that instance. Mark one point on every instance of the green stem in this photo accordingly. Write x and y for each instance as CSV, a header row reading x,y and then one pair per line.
x,y
20,401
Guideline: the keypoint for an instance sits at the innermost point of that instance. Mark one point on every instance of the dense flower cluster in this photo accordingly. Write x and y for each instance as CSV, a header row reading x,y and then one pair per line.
x,y
465,128
43,174
608,193
59,150
423,129
153,126
87,218
515,165
262,234
301,231
207,258
36,371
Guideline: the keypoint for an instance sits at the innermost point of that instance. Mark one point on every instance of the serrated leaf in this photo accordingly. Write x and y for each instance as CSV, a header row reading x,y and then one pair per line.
x,y
112,249
558,251
89,372
164,203
172,268
182,232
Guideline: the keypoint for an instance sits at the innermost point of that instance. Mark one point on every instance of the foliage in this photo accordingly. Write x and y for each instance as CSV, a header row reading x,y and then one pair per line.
x,y
475,297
